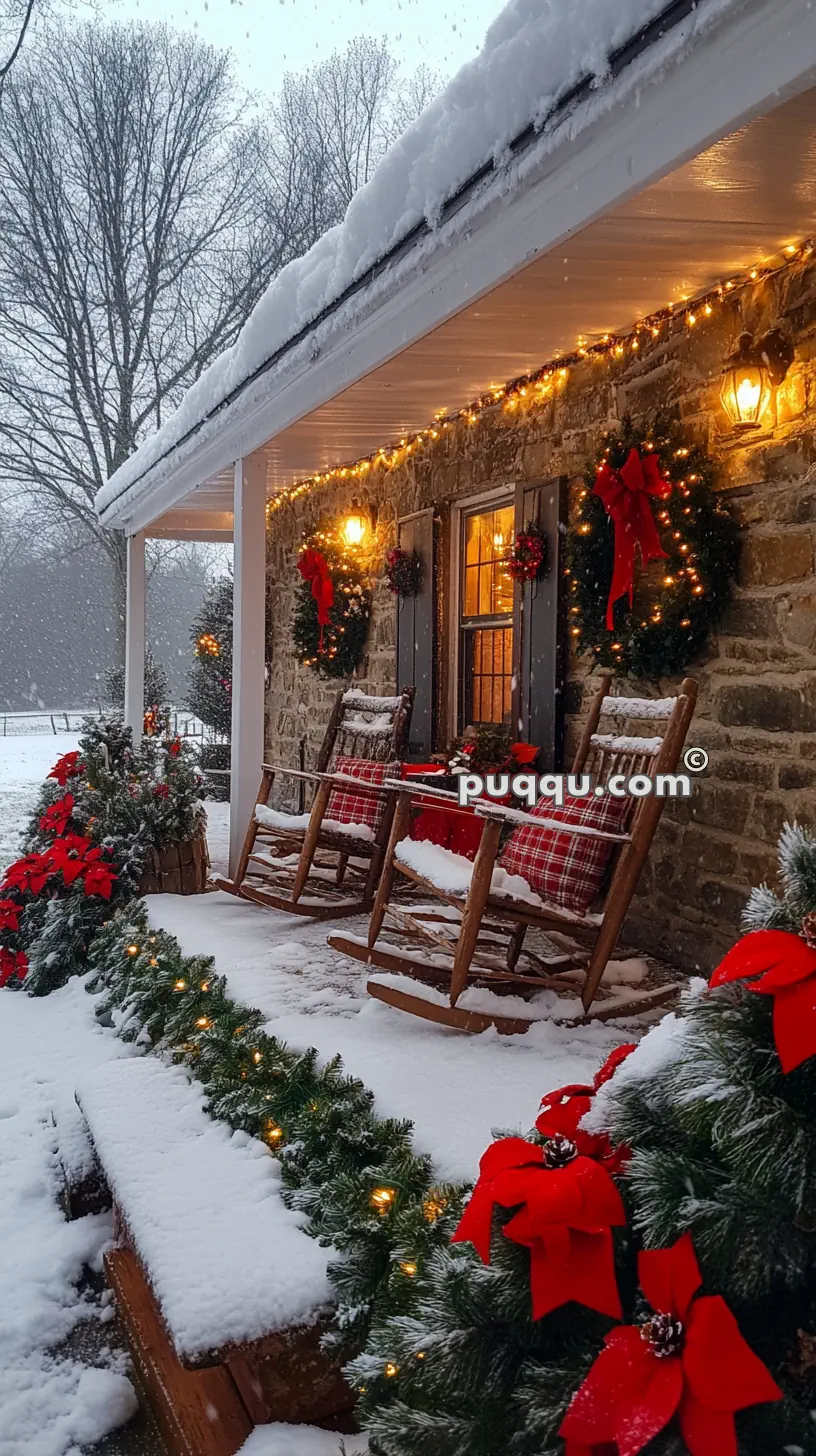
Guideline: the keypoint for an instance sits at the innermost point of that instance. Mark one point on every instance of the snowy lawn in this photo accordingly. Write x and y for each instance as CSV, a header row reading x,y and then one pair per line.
x,y
24,763
455,1088
49,1405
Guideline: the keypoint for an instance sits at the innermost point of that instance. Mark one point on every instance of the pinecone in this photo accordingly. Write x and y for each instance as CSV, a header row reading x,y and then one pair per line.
x,y
559,1151
802,1363
809,928
664,1335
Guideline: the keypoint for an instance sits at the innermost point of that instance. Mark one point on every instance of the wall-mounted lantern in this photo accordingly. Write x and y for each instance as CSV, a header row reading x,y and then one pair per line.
x,y
752,372
357,525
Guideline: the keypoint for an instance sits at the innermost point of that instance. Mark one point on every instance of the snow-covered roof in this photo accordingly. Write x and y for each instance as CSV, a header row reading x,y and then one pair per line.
x,y
542,61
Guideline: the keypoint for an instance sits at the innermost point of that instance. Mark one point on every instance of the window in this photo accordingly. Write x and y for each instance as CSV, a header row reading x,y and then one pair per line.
x,y
486,656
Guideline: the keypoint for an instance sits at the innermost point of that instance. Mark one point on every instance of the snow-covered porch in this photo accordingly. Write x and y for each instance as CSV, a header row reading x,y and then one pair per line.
x,y
640,192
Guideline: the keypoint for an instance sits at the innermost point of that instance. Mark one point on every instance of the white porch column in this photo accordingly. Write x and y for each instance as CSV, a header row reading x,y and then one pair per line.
x,y
135,635
248,645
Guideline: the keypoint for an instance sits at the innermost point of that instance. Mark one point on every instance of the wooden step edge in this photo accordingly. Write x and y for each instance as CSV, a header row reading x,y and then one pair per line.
x,y
198,1412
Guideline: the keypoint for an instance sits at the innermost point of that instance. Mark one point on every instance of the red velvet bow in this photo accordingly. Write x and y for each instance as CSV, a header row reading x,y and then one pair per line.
x,y
562,1111
789,966
625,494
314,567
565,1218
689,1359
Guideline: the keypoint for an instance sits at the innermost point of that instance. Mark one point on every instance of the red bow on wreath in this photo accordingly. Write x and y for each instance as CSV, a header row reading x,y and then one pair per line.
x,y
567,1205
689,1359
787,966
314,567
625,494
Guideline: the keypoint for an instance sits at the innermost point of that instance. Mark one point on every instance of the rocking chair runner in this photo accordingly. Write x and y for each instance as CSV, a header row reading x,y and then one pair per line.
x,y
494,912
341,841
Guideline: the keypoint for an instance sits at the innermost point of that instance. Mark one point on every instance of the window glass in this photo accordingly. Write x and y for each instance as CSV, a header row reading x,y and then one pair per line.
x,y
487,592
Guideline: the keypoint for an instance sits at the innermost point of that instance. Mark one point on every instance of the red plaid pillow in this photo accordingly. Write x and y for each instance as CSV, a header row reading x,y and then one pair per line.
x,y
566,869
347,806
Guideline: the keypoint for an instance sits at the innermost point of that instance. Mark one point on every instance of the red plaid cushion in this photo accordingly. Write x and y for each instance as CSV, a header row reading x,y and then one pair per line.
x,y
566,869
347,806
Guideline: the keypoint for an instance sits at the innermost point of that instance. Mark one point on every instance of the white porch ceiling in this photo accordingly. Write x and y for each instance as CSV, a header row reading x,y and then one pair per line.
x,y
736,204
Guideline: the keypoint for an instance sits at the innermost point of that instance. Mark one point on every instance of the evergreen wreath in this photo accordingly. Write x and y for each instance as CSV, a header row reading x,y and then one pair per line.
x,y
403,572
675,609
335,648
529,553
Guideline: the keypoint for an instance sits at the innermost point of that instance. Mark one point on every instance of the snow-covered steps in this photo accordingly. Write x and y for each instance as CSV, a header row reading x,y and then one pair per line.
x,y
223,1294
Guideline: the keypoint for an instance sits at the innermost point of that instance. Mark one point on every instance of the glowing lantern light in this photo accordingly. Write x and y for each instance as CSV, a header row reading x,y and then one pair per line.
x,y
751,372
355,526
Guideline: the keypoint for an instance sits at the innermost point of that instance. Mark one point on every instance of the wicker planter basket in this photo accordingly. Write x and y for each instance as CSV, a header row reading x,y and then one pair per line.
x,y
180,869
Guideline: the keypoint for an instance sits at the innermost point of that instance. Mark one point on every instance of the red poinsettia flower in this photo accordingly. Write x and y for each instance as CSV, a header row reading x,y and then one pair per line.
x,y
29,874
67,767
562,1111
787,966
161,791
10,913
98,879
521,753
56,817
689,1359
12,963
174,747
66,856
567,1205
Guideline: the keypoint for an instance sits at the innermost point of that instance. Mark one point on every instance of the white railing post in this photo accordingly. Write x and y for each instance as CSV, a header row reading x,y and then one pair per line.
x,y
135,635
248,645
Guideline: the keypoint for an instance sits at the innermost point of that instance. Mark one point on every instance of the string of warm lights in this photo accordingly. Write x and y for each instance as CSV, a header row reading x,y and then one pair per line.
x,y
540,385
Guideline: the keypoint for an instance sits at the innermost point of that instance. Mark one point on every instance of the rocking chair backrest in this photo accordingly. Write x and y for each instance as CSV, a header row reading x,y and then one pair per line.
x,y
375,729
601,754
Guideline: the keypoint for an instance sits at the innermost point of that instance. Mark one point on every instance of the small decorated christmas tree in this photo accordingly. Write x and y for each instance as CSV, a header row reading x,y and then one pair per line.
x,y
209,694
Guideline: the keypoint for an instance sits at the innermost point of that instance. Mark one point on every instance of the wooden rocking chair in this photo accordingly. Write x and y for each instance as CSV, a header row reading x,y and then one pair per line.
x,y
338,846
476,935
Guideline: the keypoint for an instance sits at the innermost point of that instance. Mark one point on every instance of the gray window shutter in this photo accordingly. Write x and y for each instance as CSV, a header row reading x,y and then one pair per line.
x,y
415,631
540,627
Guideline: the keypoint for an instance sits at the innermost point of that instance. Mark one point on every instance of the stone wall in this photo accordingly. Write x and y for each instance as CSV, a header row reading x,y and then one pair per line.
x,y
757,711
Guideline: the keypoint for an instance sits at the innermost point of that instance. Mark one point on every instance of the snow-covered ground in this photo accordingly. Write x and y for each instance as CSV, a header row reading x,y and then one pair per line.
x,y
455,1088
24,763
50,1404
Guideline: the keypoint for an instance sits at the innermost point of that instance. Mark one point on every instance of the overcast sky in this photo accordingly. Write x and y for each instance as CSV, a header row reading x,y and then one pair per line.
x,y
269,37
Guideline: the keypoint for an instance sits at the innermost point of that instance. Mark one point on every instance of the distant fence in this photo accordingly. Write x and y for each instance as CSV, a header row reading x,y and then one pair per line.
x,y
69,720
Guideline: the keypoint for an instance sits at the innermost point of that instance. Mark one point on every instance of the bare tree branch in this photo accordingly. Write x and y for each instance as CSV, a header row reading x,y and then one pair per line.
x,y
142,213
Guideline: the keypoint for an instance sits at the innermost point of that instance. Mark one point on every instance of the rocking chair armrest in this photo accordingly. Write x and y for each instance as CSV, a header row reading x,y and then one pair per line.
x,y
343,780
491,809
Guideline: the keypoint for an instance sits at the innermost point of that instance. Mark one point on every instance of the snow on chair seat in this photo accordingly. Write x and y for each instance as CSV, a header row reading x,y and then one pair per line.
x,y
203,1232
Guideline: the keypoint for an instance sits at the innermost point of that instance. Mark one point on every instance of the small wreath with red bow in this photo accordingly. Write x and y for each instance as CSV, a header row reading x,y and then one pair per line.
x,y
403,572
652,552
528,556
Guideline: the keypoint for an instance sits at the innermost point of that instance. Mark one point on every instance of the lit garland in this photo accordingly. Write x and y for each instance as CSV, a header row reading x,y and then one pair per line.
x,y
541,384
336,650
676,604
